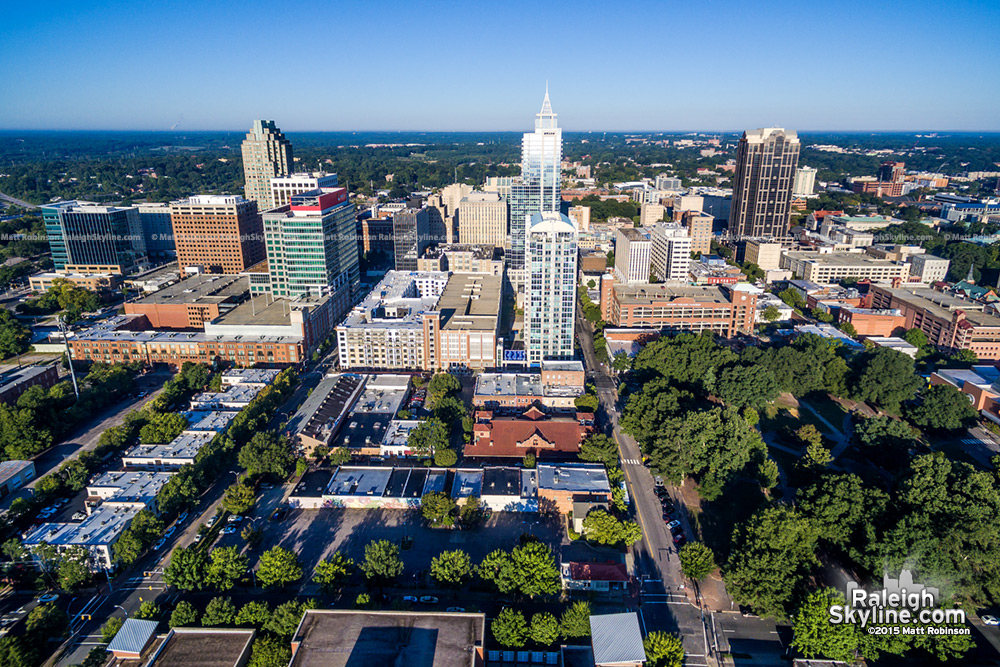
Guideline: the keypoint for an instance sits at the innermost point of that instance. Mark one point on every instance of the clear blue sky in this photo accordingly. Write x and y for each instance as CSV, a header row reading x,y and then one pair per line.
x,y
428,65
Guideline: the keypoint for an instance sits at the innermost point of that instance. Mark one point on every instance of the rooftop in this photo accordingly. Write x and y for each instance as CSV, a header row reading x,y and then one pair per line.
x,y
100,528
643,292
838,258
519,384
321,413
582,477
234,394
399,300
942,305
470,301
616,639
18,375
249,375
184,446
200,289
215,421
338,638
129,487
10,468
132,637
203,647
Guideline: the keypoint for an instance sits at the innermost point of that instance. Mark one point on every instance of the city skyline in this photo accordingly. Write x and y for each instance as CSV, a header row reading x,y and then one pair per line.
x,y
118,67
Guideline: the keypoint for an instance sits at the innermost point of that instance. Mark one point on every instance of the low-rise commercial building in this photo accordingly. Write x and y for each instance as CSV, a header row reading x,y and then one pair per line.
x,y
950,323
677,308
929,269
532,432
233,397
563,484
98,533
320,416
180,451
463,259
203,647
872,321
828,267
894,343
257,377
14,475
124,488
102,283
13,383
979,383
190,303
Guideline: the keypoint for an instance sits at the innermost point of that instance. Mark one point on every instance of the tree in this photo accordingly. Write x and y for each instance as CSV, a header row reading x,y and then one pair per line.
x,y
848,329
772,553
621,363
445,457
768,473
340,456
331,573
451,568
187,569
697,560
449,410
816,637
162,427
111,628
219,611
792,297
267,454
255,613
428,437
440,386
965,358
575,620
586,403
886,377
746,385
438,508
75,474
382,561
817,456
509,628
471,512
601,527
599,448
14,336
528,460
770,313
286,617
147,611
184,615
278,567
663,649
847,513
808,434
239,498
943,408
227,567
544,629
47,620
74,568
917,338
270,651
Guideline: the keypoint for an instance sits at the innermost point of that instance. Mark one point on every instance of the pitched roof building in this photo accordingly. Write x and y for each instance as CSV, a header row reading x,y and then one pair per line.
x,y
533,431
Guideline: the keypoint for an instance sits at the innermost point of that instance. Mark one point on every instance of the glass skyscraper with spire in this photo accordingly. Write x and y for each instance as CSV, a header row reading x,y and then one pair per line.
x,y
538,188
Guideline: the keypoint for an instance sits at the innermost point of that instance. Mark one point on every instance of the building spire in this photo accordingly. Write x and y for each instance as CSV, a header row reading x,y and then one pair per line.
x,y
546,105
971,278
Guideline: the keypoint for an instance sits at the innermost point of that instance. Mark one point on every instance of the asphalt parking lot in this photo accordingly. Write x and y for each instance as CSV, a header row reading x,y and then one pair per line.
x,y
315,534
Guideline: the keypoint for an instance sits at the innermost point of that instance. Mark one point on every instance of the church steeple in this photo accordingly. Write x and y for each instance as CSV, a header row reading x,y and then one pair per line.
x,y
971,278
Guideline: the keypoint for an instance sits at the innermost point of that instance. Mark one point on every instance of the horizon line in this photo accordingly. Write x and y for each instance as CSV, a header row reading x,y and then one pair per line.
x,y
518,131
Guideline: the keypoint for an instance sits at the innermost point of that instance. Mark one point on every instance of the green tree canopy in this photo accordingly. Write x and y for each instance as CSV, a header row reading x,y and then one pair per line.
x,y
440,386
816,637
428,437
226,568
601,527
943,408
509,628
663,650
239,498
697,560
187,570
746,385
267,454
278,567
575,620
184,615
451,568
254,613
544,629
332,572
599,448
219,611
886,378
382,562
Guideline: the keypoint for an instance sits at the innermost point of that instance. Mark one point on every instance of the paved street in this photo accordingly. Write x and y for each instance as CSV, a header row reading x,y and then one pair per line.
x,y
665,603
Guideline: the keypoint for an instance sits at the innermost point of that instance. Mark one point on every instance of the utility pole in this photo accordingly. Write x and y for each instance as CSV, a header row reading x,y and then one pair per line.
x,y
61,319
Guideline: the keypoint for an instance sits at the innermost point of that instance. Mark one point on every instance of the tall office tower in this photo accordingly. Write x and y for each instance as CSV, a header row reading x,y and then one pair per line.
x,y
217,233
538,189
311,248
762,182
91,238
266,154
550,304
670,253
633,250
892,172
650,214
482,219
580,215
699,228
283,187
156,230
411,234
805,181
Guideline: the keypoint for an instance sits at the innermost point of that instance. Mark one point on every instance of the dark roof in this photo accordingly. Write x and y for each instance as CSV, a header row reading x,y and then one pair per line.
x,y
531,431
204,647
501,481
338,638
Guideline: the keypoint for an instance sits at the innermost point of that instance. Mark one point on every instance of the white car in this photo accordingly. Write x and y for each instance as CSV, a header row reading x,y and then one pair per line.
x,y
988,619
198,538
79,516
236,518
214,520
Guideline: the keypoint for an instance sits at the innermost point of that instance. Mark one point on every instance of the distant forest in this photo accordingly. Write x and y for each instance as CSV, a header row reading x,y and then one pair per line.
x,y
160,166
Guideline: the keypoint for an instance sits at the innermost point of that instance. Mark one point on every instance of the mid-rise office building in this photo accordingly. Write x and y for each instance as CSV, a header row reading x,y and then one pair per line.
x,y
580,215
667,182
928,268
633,250
805,181
157,230
482,219
766,160
699,227
284,187
765,254
217,233
670,252
311,247
550,305
650,214
539,188
94,238
725,310
823,268
266,155
411,236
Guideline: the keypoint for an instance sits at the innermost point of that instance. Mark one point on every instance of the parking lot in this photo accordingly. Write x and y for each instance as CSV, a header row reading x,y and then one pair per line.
x,y
315,534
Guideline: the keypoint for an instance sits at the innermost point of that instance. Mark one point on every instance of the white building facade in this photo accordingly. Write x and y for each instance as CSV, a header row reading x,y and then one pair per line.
x,y
670,258
550,307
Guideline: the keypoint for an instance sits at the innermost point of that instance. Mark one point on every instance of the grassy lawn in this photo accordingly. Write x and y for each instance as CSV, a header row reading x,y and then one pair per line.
x,y
830,409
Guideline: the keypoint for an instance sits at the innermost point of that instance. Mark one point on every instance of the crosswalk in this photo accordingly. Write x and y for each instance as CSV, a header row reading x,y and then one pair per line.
x,y
977,441
634,462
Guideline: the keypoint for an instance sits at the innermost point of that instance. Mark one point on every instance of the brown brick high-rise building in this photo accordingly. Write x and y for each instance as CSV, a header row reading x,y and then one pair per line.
x,y
217,233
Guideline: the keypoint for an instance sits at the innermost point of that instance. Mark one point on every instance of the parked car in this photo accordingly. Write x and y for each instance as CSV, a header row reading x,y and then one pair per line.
x,y
988,619
236,518
410,598
428,599
214,520
279,514
674,525
680,539
266,486
79,516
48,597
159,544
170,531
230,530
182,517
456,610
198,538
